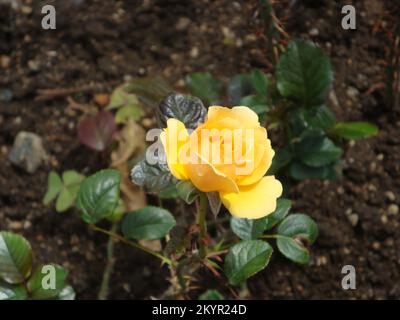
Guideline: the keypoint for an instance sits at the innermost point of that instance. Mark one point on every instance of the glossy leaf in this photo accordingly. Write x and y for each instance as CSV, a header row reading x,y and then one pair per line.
x,y
12,292
97,132
156,179
304,74
320,117
41,285
147,223
15,258
355,130
248,229
283,207
294,232
99,195
246,259
187,109
204,86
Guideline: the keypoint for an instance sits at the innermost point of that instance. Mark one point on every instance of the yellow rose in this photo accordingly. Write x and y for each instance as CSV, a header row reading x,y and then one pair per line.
x,y
230,154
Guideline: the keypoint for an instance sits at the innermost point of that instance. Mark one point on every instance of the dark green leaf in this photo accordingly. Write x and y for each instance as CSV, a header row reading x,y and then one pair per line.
x,y
47,282
259,81
156,179
282,209
147,223
248,229
295,233
99,195
304,74
315,149
12,292
281,159
320,117
187,109
246,259
301,171
256,103
239,87
204,86
355,130
15,258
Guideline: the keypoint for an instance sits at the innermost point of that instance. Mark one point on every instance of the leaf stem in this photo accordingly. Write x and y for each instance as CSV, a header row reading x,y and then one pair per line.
x,y
202,211
105,284
133,244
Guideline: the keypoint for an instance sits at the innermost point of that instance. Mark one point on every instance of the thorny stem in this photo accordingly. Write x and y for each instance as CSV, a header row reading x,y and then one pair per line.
x,y
133,244
105,284
202,210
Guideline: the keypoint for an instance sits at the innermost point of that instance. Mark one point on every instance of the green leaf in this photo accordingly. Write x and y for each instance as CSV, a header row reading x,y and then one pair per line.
x,y
47,282
54,186
99,195
156,179
66,199
320,117
67,293
304,74
281,159
204,86
15,258
67,189
316,150
211,295
246,259
239,87
256,103
147,223
129,112
259,81
355,130
293,232
12,292
248,229
187,191
187,109
300,171
282,209
118,212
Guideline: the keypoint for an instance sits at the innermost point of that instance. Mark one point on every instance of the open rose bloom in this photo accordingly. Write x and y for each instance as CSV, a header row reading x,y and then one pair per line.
x,y
229,153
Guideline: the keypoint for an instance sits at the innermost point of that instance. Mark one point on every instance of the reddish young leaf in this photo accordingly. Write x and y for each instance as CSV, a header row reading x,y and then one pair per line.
x,y
97,132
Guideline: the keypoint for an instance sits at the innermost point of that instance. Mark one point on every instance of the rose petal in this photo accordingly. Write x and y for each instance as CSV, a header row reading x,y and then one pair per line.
x,y
254,201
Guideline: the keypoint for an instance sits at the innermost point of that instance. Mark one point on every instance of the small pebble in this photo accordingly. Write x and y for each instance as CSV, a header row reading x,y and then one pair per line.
x,y
353,219
380,157
393,209
313,32
390,195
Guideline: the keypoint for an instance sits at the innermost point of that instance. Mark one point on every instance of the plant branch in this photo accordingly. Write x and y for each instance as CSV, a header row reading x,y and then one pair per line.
x,y
201,220
105,284
133,244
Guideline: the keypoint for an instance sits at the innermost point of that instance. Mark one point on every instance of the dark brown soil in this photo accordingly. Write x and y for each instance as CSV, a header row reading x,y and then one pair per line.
x,y
102,43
